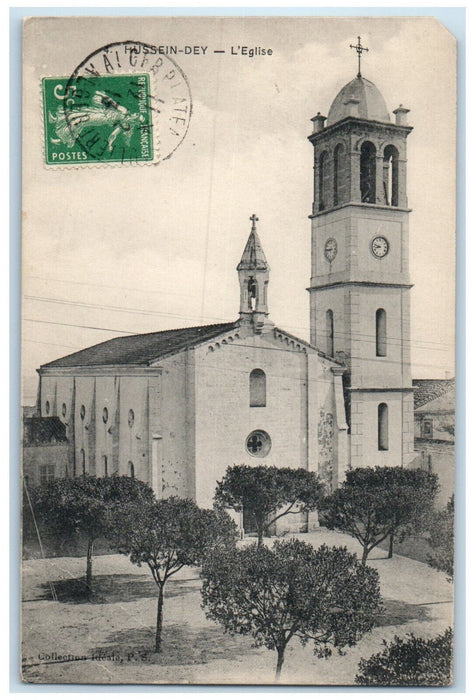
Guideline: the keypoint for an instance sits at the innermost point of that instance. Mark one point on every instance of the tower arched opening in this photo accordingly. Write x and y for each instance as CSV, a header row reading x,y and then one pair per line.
x,y
324,181
368,172
338,178
391,176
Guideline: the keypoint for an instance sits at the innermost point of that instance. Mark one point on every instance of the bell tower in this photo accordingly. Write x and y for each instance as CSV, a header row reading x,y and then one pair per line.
x,y
359,286
253,272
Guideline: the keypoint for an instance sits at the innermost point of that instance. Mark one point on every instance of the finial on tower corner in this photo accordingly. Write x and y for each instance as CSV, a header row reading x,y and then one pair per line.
x,y
253,218
359,50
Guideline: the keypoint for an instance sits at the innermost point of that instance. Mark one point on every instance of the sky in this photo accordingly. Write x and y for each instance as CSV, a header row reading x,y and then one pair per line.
x,y
137,249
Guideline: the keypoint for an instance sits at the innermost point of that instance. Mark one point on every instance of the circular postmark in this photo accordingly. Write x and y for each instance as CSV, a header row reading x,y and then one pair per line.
x,y
126,103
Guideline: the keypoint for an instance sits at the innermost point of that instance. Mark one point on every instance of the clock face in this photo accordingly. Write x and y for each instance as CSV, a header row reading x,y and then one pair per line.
x,y
330,249
379,246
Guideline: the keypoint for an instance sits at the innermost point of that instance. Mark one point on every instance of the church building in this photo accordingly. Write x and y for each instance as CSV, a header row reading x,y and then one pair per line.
x,y
175,408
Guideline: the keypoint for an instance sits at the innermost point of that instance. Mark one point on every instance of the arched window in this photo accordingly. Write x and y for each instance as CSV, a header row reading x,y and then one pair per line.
x,y
83,461
390,175
131,469
323,181
104,465
257,388
47,407
252,293
330,333
383,439
368,172
338,180
381,333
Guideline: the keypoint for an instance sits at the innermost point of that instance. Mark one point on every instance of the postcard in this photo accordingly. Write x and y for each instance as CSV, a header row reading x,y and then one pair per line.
x,y
238,312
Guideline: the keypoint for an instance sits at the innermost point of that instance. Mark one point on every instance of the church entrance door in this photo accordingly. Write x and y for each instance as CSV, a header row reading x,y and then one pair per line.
x,y
248,522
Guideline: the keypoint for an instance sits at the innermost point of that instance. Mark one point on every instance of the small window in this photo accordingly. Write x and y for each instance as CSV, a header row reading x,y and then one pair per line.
x,y
381,333
82,458
258,443
330,333
47,407
64,410
104,465
383,438
131,418
46,473
105,414
427,428
82,411
131,469
257,388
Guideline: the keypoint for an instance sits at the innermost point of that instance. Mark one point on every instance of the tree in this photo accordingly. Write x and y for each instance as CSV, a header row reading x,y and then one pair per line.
x,y
441,540
269,493
168,535
83,506
322,595
412,493
411,661
374,503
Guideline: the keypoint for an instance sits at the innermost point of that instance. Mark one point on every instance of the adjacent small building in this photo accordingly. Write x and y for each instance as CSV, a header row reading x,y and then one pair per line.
x,y
45,449
434,430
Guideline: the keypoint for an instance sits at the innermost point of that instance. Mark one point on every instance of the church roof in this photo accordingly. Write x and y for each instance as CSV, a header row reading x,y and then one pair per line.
x,y
371,104
253,257
43,430
426,390
141,349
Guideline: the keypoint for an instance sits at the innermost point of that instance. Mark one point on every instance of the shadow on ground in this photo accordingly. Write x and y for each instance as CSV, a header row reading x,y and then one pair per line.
x,y
398,612
112,588
181,646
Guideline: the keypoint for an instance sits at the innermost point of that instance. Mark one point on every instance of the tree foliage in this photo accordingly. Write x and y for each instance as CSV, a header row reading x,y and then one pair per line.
x,y
374,503
83,506
412,661
268,492
321,595
168,535
441,540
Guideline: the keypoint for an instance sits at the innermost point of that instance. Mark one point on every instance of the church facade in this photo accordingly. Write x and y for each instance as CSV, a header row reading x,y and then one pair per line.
x,y
175,408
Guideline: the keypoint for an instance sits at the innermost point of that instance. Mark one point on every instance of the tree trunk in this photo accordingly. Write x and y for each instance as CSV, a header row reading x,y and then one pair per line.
x,y
90,550
158,632
391,543
365,555
280,661
260,535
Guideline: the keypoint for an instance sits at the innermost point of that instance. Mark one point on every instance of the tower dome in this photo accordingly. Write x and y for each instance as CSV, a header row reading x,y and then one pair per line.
x,y
359,98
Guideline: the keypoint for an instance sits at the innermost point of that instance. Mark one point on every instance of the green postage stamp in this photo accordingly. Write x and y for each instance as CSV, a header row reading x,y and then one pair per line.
x,y
105,118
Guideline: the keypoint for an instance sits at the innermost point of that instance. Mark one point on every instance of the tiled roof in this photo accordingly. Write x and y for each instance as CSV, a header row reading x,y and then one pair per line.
x,y
43,430
426,390
141,349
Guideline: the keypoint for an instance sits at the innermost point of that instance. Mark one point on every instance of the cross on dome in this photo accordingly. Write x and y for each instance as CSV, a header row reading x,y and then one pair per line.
x,y
253,218
359,50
